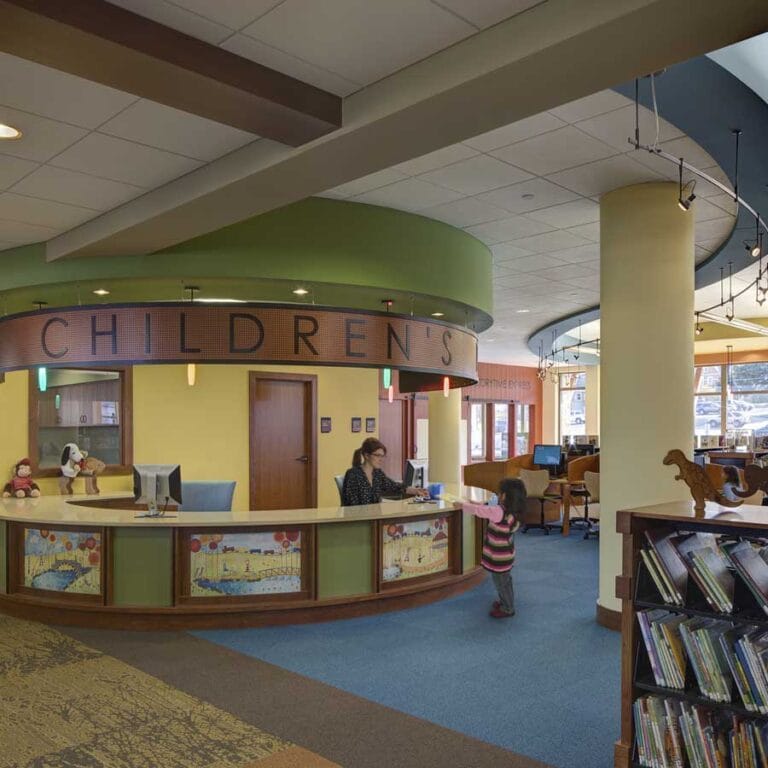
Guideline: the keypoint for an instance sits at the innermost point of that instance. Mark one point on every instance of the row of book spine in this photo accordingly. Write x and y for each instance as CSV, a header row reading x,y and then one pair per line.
x,y
719,653
679,734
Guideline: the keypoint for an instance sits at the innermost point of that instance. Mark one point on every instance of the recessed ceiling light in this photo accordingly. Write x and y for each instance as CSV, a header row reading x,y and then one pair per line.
x,y
528,196
9,132
522,311
101,292
301,291
438,314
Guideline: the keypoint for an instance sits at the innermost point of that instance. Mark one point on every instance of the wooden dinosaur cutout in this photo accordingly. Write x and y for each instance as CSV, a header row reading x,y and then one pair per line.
x,y
698,482
756,479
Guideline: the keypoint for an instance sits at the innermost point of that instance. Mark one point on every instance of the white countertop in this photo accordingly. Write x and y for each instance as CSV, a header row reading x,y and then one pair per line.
x,y
65,510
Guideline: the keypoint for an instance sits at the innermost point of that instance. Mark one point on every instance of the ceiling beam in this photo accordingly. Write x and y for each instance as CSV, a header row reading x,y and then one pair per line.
x,y
109,45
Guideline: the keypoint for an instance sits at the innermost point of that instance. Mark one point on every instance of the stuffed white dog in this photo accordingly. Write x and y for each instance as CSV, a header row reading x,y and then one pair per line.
x,y
72,462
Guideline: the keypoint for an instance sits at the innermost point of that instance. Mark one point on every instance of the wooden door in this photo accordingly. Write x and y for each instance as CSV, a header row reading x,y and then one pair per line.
x,y
283,461
392,433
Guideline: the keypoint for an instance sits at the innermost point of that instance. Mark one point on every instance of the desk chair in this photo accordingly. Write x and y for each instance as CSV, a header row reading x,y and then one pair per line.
x,y
536,483
339,480
213,496
592,487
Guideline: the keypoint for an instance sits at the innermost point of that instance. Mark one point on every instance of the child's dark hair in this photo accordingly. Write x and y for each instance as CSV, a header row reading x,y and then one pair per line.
x,y
512,496
731,474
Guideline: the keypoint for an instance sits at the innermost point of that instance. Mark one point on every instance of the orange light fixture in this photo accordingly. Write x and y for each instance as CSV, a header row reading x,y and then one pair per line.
x,y
191,374
446,386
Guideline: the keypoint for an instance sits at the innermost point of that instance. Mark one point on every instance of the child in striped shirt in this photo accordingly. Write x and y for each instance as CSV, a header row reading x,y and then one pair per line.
x,y
499,546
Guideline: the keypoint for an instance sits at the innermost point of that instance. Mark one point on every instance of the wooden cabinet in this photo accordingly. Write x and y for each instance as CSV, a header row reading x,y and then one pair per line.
x,y
637,591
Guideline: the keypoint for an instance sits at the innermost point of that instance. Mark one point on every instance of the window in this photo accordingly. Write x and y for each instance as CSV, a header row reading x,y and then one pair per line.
x,y
84,406
477,431
500,431
523,429
741,393
573,405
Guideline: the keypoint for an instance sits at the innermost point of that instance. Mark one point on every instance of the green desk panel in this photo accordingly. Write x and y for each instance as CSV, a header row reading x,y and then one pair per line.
x,y
468,542
3,554
345,559
142,566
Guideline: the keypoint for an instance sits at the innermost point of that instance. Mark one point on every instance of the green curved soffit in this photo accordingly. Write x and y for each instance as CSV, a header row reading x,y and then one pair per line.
x,y
347,254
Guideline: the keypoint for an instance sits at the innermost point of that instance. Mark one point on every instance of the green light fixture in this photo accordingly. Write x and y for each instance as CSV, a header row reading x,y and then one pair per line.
x,y
57,401
42,378
386,377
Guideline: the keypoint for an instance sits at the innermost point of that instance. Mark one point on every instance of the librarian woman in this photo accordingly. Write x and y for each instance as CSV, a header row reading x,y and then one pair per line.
x,y
365,481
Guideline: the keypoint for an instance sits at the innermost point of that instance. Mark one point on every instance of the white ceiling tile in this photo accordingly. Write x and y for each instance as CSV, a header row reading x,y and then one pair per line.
x,y
434,160
711,244
590,281
535,263
704,210
156,125
723,201
171,15
617,127
19,232
589,106
465,212
665,168
112,158
13,168
358,40
488,12
604,175
509,134
700,254
80,189
587,231
714,228
367,183
579,254
231,13
507,229
705,189
43,213
575,213
565,272
506,252
31,87
476,174
564,148
689,150
42,138
289,65
408,195
528,196
550,241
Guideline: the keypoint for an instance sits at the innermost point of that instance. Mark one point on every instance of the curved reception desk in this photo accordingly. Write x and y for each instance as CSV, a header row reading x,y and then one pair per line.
x,y
92,561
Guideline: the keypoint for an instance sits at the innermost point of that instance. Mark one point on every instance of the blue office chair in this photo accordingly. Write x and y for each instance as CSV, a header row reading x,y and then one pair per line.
x,y
207,496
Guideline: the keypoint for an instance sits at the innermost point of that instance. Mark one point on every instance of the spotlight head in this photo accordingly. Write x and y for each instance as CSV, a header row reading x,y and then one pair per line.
x,y
683,205
755,250
728,316
699,330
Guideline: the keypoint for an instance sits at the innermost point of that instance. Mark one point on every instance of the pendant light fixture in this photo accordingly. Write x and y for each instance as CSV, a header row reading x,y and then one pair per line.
x,y
446,386
42,378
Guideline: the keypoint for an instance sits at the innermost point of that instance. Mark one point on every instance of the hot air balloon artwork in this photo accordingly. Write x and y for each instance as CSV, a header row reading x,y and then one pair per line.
x,y
63,561
415,548
245,563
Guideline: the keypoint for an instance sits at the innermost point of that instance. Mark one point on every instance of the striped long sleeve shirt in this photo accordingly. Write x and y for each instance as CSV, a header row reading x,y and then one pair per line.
x,y
499,545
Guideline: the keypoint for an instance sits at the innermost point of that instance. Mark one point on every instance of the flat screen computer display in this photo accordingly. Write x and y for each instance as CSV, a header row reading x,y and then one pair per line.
x,y
546,455
157,485
416,473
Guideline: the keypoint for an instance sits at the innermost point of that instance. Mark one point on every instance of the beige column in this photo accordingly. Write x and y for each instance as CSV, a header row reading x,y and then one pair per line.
x,y
444,431
646,377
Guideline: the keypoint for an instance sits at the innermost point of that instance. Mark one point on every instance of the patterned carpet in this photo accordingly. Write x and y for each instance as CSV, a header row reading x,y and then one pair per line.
x,y
58,709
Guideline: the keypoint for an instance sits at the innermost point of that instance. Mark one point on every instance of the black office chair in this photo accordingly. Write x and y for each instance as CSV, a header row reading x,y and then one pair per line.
x,y
339,480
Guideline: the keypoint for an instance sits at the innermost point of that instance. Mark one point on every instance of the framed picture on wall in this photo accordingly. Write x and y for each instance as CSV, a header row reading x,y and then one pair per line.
x,y
325,423
370,424
357,423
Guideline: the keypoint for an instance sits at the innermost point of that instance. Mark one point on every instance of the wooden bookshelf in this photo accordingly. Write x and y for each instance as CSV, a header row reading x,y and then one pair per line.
x,y
636,590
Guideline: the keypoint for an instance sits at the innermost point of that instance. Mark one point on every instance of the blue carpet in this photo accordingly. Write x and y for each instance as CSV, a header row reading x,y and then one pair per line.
x,y
545,683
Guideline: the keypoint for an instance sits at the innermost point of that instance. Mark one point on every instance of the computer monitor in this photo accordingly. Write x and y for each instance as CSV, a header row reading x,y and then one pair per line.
x,y
416,473
156,485
549,456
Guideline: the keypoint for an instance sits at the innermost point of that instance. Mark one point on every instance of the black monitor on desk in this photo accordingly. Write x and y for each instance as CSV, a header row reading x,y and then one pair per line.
x,y
416,473
548,457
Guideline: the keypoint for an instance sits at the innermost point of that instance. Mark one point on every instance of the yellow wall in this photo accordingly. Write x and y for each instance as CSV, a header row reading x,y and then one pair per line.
x,y
205,428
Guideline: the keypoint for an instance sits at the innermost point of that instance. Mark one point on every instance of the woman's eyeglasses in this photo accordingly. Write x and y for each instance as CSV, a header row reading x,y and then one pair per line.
x,y
379,455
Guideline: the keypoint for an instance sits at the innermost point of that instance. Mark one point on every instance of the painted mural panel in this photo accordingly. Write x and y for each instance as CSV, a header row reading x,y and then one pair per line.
x,y
416,548
240,564
63,561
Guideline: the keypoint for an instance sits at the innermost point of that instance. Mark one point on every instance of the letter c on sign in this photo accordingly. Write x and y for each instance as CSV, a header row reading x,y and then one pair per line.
x,y
44,339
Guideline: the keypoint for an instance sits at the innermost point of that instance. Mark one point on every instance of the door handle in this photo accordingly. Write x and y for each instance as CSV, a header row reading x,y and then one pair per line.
x,y
303,459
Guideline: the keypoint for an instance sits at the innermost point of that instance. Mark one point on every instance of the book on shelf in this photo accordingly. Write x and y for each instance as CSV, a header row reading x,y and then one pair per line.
x,y
752,568
660,632
700,555
672,567
654,571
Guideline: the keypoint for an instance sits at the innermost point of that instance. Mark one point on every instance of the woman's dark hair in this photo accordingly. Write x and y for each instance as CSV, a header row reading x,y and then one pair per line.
x,y
512,496
370,444
731,474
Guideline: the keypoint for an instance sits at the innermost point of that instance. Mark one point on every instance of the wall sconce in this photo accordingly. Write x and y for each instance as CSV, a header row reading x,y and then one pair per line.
x,y
191,374
42,378
446,386
391,393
